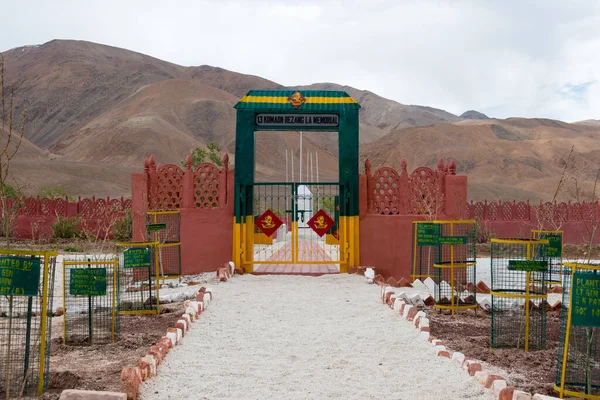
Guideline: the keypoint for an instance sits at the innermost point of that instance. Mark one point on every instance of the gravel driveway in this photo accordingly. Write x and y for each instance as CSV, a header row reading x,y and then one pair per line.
x,y
295,337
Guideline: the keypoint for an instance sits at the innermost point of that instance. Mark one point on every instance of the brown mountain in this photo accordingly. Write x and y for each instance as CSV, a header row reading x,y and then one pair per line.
x,y
95,112
504,159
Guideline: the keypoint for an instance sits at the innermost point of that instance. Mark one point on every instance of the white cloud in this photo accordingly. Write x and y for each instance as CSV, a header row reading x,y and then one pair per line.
x,y
505,58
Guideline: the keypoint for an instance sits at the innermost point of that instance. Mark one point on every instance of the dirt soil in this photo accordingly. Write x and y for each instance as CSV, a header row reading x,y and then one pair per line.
x,y
469,332
98,367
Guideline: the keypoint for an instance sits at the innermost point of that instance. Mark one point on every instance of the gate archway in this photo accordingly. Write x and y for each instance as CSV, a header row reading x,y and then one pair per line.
x,y
292,110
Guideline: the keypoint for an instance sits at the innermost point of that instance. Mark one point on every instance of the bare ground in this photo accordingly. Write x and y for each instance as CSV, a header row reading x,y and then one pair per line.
x,y
98,367
469,332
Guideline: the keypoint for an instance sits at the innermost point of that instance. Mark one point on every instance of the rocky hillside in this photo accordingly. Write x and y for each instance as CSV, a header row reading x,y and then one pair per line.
x,y
95,112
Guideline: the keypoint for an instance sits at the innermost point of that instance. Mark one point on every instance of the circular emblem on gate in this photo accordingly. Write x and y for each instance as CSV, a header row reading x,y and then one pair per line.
x,y
297,99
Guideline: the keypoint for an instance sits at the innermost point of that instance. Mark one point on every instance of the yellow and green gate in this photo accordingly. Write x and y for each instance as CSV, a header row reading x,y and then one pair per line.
x,y
296,222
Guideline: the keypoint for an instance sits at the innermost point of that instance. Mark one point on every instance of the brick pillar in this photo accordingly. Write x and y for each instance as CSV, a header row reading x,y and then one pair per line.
x,y
455,193
139,202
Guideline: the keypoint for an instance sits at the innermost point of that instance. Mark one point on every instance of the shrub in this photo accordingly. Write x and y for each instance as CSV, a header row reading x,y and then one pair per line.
x,y
122,229
65,227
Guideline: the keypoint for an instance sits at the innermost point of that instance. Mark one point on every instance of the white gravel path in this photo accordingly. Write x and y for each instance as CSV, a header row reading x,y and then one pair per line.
x,y
294,337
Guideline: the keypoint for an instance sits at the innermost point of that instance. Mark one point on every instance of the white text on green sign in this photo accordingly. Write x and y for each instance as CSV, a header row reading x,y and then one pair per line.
x,y
136,258
87,282
19,276
452,240
585,310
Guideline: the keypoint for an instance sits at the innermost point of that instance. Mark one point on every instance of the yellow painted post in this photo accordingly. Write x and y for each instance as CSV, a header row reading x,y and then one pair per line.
x,y
294,242
64,303
249,243
43,327
157,260
563,371
357,242
452,269
415,228
527,279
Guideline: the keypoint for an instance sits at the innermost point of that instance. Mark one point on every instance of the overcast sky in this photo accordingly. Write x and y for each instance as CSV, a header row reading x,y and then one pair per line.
x,y
502,57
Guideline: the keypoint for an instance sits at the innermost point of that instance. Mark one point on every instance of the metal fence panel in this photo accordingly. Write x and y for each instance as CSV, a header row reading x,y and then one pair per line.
x,y
26,293
578,363
519,293
90,301
137,284
454,266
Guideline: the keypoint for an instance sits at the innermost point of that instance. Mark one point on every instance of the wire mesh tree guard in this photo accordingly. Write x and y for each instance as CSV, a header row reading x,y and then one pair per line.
x,y
553,251
26,293
578,363
138,286
519,293
454,266
90,301
163,227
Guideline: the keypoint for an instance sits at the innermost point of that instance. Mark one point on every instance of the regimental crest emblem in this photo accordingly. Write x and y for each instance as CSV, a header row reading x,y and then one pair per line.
x,y
268,223
297,99
321,223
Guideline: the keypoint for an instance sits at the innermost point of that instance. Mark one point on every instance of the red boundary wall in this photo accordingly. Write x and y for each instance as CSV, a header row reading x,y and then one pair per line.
x,y
203,195
517,219
33,217
391,201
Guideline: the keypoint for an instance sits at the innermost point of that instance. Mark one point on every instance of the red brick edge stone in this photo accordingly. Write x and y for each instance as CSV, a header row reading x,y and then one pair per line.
x,y
419,320
132,377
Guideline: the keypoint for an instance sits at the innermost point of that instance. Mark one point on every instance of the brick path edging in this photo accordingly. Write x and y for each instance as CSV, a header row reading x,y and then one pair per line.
x,y
147,366
419,320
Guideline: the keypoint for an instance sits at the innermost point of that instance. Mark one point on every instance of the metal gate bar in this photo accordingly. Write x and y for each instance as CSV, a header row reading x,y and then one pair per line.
x,y
294,242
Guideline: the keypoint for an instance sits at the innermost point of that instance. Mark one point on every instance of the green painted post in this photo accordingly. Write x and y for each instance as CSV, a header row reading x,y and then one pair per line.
x,y
348,165
27,339
244,164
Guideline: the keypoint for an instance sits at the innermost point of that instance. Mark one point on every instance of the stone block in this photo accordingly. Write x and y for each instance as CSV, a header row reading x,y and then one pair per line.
x,y
430,284
412,313
417,320
181,326
417,284
498,385
405,311
506,393
520,395
173,337
473,368
482,288
131,379
490,380
481,377
75,394
458,357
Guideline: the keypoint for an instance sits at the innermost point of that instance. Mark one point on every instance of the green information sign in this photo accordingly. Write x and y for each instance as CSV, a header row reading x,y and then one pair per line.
x,y
19,276
427,234
554,247
88,282
527,265
585,307
452,240
156,227
137,258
